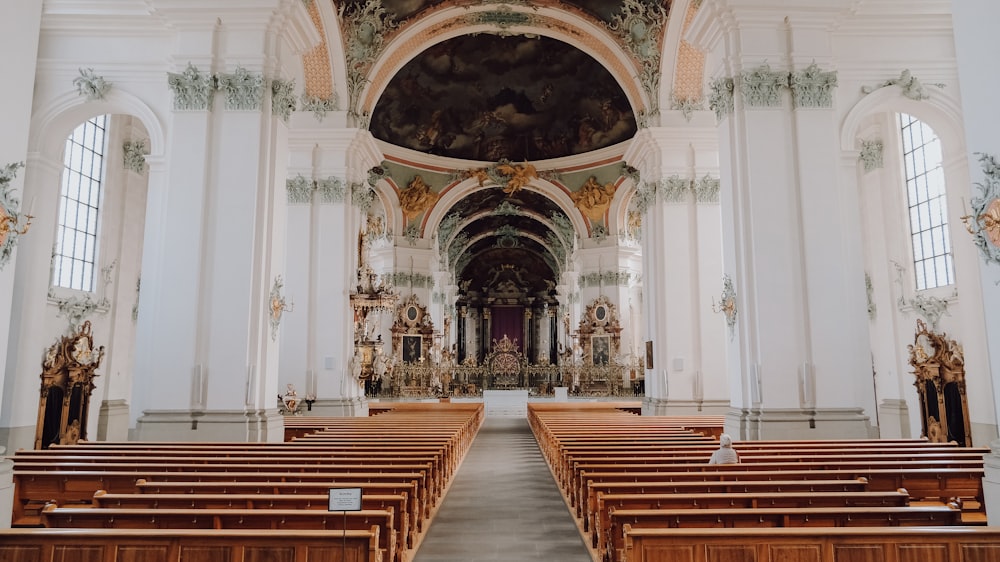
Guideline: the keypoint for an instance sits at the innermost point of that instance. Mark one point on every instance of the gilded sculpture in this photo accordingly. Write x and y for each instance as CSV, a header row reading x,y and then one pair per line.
x,y
518,177
593,199
416,198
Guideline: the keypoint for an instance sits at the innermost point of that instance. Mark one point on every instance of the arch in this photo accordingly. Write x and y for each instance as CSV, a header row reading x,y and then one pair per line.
x,y
563,26
55,121
940,112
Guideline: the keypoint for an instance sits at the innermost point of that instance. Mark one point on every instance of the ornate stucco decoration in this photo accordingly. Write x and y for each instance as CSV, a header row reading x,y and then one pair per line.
x,y
674,189
276,306
193,90
812,87
984,221
508,209
76,308
135,307
727,304
687,106
331,190
134,155
318,106
563,227
930,308
299,190
244,90
593,199
515,177
644,197
447,227
362,196
283,100
412,233
639,26
610,278
720,100
365,26
416,198
599,233
456,246
90,85
507,237
761,86
632,235
706,190
870,291
556,246
412,280
871,154
503,19
909,84
631,172
13,223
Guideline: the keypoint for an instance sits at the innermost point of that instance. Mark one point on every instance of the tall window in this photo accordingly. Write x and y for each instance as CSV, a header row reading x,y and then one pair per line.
x,y
925,190
76,240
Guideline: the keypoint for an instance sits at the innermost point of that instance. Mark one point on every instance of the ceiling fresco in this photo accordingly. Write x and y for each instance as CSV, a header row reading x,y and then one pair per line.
x,y
487,98
402,10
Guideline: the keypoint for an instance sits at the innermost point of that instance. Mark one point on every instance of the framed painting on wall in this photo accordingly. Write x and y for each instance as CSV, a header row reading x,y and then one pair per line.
x,y
601,349
412,348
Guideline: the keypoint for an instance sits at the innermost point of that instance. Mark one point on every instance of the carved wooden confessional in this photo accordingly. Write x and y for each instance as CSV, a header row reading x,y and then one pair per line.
x,y
68,372
939,366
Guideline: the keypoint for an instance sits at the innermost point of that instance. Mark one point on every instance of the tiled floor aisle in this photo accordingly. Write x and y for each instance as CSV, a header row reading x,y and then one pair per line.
x,y
503,505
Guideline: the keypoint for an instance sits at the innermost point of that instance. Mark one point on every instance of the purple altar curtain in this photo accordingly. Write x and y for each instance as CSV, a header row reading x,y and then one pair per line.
x,y
509,321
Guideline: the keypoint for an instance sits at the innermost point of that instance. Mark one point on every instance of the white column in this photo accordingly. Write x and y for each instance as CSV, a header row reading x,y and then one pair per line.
x,y
976,41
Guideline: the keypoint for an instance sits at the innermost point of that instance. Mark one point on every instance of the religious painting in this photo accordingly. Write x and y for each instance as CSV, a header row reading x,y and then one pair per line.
x,y
649,354
601,349
412,348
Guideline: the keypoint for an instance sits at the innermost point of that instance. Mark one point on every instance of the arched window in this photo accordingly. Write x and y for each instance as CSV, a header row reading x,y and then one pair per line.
x,y
928,210
76,239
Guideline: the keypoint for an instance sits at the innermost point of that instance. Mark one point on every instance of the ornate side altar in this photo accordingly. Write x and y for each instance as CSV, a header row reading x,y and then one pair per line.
x,y
68,372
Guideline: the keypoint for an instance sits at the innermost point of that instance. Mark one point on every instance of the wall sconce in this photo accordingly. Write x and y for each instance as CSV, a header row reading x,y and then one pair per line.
x,y
727,304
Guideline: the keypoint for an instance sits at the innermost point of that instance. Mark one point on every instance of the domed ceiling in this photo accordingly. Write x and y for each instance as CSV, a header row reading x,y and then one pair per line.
x,y
487,98
493,97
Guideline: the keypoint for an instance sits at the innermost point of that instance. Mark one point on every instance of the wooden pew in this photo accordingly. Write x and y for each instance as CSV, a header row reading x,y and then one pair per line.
x,y
217,519
399,504
815,544
185,545
612,546
79,487
739,500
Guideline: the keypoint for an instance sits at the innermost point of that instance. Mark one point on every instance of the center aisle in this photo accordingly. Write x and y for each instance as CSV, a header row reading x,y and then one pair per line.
x,y
503,504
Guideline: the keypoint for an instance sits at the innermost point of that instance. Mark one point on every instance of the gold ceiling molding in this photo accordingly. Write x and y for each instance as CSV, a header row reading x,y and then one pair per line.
x,y
603,49
316,62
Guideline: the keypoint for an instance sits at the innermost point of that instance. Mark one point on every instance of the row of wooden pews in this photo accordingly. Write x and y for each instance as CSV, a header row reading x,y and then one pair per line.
x,y
402,460
642,489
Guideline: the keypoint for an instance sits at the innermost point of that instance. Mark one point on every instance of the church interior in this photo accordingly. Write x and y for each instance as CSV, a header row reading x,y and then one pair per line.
x,y
394,231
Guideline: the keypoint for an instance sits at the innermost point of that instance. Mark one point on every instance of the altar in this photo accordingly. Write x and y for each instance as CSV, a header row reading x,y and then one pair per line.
x,y
506,403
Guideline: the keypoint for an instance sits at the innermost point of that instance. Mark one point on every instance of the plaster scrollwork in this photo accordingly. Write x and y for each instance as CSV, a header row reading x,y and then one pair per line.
x,y
706,190
563,226
599,233
687,106
447,227
721,98
362,196
930,308
299,190
639,27
602,278
761,86
674,189
75,309
244,90
277,305
134,155
631,172
13,223
870,155
318,106
377,173
644,197
727,304
90,85
365,27
870,291
557,246
503,19
983,223
283,101
412,234
910,85
507,209
193,89
135,307
332,190
813,87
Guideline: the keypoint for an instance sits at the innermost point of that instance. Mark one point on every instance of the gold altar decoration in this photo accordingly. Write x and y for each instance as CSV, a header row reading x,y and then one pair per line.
x,y
372,296
939,367
68,372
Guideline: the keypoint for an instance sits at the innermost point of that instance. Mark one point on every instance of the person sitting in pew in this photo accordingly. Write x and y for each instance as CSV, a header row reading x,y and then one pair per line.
x,y
725,453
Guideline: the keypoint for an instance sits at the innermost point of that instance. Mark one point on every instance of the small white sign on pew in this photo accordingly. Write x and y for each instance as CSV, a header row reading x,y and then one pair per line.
x,y
344,499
